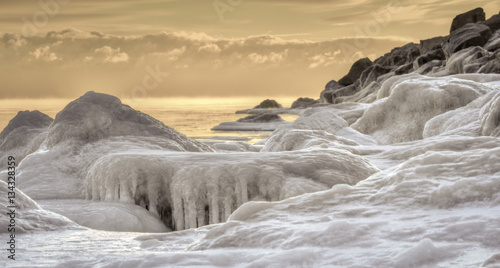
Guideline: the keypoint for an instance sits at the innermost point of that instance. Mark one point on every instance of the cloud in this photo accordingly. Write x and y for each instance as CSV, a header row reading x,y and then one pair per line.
x,y
200,64
43,53
108,54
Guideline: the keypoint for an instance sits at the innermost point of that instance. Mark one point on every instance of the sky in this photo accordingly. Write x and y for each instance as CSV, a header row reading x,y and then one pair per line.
x,y
195,48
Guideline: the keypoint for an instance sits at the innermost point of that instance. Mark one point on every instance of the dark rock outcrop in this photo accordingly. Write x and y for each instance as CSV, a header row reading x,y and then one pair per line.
x,y
261,118
355,72
302,103
472,16
268,104
372,73
326,94
493,22
472,34
431,44
432,66
437,54
399,56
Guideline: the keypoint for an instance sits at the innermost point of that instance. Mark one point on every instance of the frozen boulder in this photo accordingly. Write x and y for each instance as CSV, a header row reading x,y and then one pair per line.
x,y
355,72
97,116
24,134
326,95
494,42
412,102
472,16
474,60
266,104
471,34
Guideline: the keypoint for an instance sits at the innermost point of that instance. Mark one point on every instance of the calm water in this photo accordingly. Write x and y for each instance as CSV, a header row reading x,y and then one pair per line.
x,y
193,117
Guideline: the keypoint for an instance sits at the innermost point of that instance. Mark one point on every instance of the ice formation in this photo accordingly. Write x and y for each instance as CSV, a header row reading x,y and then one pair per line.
x,y
189,190
401,116
24,134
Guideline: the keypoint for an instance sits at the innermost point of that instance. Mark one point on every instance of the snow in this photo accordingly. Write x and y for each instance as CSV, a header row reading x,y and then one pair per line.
x,y
410,180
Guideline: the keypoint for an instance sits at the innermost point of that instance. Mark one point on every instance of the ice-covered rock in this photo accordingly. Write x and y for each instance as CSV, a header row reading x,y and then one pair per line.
x,y
89,127
494,42
472,16
411,103
329,120
96,116
326,95
24,134
189,190
474,60
372,73
355,72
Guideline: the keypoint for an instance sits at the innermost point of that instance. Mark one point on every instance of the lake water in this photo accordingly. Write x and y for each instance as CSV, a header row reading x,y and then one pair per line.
x,y
193,117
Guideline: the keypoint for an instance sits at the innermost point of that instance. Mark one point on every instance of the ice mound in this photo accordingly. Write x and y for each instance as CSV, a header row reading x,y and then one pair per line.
x,y
86,129
29,217
24,134
479,117
96,116
189,190
323,119
411,103
117,217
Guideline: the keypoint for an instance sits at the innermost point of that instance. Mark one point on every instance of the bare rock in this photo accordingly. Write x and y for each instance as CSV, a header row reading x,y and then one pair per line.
x,y
268,104
472,34
355,72
472,16
302,103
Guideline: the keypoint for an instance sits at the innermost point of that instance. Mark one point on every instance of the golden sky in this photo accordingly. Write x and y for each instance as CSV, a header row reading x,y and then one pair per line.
x,y
63,48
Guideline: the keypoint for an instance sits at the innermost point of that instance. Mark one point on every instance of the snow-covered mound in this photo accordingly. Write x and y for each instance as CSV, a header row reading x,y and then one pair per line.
x,y
411,103
24,134
28,216
189,190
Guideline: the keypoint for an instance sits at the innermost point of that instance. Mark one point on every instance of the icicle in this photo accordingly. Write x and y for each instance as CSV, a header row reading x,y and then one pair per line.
x,y
227,207
214,206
